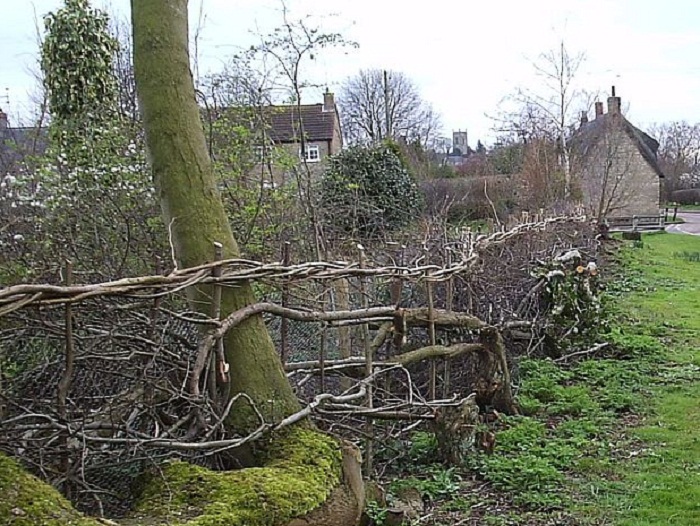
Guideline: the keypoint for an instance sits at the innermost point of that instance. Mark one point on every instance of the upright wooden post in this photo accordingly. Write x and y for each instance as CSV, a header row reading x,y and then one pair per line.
x,y
66,379
156,301
342,295
431,328
69,355
284,323
215,373
322,358
449,300
369,368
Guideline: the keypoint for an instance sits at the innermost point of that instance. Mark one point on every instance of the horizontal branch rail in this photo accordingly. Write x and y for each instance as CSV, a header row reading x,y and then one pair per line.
x,y
236,271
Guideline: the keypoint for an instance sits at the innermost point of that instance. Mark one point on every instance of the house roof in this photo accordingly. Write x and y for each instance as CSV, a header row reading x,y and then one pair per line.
x,y
593,131
286,123
17,143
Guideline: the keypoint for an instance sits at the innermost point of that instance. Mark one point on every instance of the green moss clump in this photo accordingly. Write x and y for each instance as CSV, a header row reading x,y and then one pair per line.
x,y
303,466
27,501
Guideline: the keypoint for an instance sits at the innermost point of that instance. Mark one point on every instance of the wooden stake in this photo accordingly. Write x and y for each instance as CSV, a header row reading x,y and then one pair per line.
x,y
284,324
369,367
449,300
156,302
66,379
431,329
322,359
222,370
344,344
64,383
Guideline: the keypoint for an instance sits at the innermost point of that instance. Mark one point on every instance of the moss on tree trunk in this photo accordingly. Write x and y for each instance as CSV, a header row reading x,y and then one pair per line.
x,y
191,203
305,477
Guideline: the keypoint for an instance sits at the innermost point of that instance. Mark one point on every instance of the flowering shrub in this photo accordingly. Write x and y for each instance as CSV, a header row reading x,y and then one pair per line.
x,y
102,215
89,198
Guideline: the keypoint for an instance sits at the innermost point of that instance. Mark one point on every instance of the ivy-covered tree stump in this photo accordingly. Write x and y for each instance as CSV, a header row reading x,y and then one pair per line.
x,y
455,429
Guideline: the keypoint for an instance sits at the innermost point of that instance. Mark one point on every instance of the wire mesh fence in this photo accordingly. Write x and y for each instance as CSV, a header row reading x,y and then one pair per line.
x,y
341,328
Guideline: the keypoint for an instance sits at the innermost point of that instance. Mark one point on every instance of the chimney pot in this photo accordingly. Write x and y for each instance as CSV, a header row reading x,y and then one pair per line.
x,y
328,101
584,117
598,109
614,103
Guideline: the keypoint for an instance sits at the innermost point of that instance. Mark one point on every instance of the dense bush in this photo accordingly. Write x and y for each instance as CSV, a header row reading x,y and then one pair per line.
x,y
366,191
467,198
690,196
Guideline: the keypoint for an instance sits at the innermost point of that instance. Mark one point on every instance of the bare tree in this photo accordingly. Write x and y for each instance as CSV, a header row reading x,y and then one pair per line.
x,y
286,50
238,84
551,109
541,180
678,155
376,105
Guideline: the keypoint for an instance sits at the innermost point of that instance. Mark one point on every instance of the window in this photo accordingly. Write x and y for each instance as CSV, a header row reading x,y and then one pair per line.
x,y
259,154
313,155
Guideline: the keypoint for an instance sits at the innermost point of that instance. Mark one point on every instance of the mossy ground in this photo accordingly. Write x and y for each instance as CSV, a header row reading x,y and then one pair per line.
x,y
304,466
27,501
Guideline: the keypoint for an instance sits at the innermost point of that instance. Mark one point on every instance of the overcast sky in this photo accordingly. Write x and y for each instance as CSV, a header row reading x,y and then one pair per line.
x,y
464,56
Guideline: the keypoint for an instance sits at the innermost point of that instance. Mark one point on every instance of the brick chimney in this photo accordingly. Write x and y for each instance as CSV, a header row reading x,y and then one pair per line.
x,y
598,109
614,103
328,101
584,117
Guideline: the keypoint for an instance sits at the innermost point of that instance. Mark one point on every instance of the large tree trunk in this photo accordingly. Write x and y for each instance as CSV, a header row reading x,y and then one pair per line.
x,y
191,204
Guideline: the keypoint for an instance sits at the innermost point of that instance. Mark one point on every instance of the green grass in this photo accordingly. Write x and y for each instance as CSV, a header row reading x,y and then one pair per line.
x,y
616,439
661,485
610,440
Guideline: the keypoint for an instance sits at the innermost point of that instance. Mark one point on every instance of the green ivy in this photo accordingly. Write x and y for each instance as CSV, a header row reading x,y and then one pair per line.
x,y
572,293
367,191
77,60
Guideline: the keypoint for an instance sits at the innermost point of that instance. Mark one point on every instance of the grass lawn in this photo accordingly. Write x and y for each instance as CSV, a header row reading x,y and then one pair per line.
x,y
662,484
610,440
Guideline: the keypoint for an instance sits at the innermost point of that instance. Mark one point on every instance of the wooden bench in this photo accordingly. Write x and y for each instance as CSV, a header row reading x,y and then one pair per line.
x,y
636,223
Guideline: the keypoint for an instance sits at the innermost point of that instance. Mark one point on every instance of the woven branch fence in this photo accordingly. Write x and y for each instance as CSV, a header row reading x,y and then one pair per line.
x,y
96,379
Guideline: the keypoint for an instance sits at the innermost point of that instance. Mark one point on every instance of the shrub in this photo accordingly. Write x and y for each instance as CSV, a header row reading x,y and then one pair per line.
x,y
464,198
572,293
366,191
690,196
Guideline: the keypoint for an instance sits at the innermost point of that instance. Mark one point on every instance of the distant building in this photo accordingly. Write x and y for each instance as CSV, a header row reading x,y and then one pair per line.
x,y
460,150
16,144
279,130
320,124
615,164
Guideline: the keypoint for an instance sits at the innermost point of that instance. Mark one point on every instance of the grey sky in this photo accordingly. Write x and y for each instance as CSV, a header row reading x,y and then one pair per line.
x,y
464,56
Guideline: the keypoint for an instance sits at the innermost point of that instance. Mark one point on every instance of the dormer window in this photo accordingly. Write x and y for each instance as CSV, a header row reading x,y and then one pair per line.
x,y
313,155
